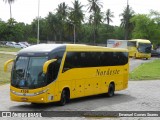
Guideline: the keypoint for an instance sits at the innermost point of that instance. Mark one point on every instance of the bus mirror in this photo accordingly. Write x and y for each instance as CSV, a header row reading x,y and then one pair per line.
x,y
6,64
46,64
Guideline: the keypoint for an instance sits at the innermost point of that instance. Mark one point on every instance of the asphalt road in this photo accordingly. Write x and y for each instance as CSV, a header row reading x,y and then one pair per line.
x,y
139,96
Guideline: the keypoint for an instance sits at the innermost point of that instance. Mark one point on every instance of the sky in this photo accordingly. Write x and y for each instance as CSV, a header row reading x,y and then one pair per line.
x,y
26,10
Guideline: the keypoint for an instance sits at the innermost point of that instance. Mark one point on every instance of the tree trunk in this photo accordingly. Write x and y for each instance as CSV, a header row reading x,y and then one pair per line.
x,y
94,37
126,34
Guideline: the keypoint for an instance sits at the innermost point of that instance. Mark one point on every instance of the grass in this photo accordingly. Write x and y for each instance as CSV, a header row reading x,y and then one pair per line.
x,y
9,49
147,71
5,77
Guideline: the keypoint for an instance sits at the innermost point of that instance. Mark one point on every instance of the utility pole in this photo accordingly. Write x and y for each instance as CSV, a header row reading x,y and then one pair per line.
x,y
38,23
127,22
74,33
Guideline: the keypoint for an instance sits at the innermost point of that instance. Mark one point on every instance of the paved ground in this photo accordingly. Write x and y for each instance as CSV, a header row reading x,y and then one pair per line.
x,y
140,96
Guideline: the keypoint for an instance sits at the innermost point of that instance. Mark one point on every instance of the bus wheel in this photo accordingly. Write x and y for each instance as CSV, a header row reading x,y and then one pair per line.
x,y
111,90
63,100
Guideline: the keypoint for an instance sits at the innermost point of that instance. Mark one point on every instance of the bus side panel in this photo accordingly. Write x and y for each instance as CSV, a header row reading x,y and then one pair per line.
x,y
52,93
132,51
126,76
143,55
92,86
69,84
118,79
90,81
68,79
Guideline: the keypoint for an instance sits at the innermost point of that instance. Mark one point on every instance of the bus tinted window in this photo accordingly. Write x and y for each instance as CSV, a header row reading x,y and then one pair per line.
x,y
131,43
53,68
94,59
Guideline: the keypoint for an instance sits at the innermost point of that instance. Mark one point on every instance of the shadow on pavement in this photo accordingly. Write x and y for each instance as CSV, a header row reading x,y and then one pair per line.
x,y
80,104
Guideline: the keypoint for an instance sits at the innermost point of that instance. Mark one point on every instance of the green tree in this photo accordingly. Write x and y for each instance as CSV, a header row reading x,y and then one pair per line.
x,y
10,3
43,29
119,33
94,5
145,27
127,14
12,21
108,16
54,26
62,11
86,33
27,32
61,19
3,31
155,15
96,16
76,16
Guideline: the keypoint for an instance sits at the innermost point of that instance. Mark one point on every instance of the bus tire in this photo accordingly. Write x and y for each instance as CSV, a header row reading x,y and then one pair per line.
x,y
111,90
65,97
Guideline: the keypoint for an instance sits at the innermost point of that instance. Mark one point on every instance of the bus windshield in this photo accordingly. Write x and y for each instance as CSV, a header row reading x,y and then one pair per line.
x,y
144,48
27,72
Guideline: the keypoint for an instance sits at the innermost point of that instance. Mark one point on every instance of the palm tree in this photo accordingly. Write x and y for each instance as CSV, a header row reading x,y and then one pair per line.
x,y
53,25
155,15
108,16
96,16
11,21
94,6
127,14
76,16
62,11
62,15
10,2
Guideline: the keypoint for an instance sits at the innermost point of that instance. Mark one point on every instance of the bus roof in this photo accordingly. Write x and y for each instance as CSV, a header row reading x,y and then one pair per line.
x,y
47,48
41,49
79,47
141,40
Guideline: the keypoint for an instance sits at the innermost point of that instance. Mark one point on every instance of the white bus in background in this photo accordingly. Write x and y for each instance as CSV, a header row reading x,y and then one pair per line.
x,y
113,43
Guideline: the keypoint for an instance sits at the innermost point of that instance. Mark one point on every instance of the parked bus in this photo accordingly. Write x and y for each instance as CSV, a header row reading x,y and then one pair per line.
x,y
59,72
139,48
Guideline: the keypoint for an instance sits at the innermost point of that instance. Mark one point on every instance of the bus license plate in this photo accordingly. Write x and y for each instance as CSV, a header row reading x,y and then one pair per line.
x,y
24,99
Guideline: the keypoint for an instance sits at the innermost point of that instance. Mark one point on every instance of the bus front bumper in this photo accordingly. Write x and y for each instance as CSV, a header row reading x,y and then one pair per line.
x,y
143,55
28,97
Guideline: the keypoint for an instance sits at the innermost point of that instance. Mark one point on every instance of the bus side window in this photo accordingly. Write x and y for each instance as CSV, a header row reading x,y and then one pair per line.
x,y
68,64
53,68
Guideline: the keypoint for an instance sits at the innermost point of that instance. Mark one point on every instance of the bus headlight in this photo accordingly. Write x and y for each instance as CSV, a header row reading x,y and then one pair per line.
x,y
41,92
42,99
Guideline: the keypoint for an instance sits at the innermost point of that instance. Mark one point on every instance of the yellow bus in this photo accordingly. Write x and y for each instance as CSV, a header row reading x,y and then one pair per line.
x,y
59,72
139,48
